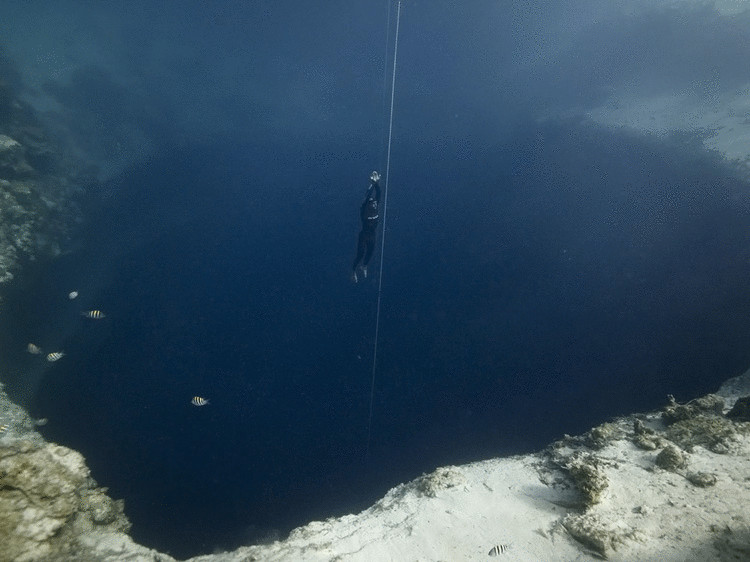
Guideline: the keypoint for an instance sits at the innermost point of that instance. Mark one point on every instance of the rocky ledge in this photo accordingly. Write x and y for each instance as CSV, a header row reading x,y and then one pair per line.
x,y
50,507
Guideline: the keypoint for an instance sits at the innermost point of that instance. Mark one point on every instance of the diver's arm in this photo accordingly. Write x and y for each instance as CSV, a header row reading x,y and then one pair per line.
x,y
374,185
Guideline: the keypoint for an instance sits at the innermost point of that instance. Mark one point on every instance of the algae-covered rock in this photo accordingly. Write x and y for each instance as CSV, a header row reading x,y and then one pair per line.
x,y
646,442
588,476
741,410
49,504
701,479
442,478
103,510
644,437
13,164
600,436
709,404
8,144
38,496
50,508
671,458
591,531
715,433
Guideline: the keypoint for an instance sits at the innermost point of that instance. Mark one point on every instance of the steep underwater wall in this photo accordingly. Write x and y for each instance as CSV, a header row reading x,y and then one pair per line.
x,y
39,183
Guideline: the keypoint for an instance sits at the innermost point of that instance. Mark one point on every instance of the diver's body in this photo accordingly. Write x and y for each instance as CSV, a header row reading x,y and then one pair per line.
x,y
370,215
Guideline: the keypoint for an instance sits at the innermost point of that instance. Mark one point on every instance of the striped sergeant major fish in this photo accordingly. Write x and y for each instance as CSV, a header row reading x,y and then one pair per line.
x,y
4,428
55,356
198,401
34,349
95,314
499,549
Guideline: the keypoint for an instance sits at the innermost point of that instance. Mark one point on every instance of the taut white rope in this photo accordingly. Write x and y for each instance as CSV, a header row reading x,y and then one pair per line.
x,y
382,238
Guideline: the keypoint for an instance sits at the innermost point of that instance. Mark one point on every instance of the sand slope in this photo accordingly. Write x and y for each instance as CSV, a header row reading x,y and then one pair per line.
x,y
601,495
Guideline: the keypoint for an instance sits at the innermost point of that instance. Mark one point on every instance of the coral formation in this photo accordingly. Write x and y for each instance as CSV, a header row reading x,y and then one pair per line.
x,y
671,458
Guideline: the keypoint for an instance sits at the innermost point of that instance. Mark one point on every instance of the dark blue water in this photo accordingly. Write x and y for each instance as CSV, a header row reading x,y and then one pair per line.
x,y
585,275
538,279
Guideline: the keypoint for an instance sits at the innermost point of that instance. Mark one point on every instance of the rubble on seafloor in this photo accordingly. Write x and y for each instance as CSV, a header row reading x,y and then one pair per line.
x,y
595,468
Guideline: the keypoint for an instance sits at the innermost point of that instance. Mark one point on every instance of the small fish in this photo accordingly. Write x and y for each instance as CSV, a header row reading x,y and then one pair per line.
x,y
198,401
72,295
95,314
55,356
34,349
498,549
4,428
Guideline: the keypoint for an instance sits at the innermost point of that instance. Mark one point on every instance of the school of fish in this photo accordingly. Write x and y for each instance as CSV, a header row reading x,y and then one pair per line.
x,y
53,356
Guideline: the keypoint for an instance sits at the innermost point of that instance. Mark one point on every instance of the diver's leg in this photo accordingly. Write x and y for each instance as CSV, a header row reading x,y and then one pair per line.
x,y
370,249
361,249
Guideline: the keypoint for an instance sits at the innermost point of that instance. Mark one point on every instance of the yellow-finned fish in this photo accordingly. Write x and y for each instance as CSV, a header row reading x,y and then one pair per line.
x,y
95,314
55,356
198,401
34,349
4,428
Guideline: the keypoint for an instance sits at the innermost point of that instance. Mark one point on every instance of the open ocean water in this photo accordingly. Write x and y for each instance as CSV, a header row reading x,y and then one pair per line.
x,y
539,278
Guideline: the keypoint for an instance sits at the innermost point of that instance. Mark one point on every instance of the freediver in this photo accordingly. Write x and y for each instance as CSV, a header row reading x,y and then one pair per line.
x,y
370,214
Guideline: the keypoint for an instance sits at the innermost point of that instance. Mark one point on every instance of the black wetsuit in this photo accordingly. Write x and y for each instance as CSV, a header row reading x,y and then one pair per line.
x,y
370,214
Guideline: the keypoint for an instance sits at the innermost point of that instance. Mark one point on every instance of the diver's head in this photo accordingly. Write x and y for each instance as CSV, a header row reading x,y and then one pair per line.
x,y
374,177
